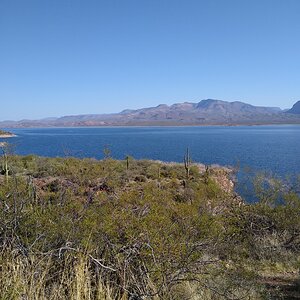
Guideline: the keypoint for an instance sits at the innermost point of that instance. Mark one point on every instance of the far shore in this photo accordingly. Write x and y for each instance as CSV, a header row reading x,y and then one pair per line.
x,y
149,125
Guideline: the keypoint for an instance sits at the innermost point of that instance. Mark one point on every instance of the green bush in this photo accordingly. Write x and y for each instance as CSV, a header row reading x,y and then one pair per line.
x,y
139,231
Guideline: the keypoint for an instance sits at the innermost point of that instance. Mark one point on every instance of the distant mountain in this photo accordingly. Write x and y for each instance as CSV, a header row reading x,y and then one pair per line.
x,y
205,112
295,109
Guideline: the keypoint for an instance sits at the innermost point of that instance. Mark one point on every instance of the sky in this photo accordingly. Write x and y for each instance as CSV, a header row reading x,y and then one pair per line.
x,y
65,57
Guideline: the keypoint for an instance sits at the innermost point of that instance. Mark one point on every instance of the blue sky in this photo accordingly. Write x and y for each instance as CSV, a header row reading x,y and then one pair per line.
x,y
61,57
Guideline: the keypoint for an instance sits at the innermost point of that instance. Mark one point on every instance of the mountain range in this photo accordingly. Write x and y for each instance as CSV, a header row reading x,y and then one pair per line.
x,y
205,112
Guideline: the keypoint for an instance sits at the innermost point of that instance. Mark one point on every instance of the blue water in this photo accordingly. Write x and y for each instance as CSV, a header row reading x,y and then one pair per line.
x,y
271,148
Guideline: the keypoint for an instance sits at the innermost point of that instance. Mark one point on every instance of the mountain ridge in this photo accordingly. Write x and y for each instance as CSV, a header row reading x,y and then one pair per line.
x,y
295,109
204,112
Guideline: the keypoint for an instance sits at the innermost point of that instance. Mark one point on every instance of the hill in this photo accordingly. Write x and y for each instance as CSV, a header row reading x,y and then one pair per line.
x,y
295,109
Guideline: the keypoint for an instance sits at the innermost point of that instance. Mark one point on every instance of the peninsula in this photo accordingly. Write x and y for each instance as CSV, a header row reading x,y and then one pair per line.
x,y
5,134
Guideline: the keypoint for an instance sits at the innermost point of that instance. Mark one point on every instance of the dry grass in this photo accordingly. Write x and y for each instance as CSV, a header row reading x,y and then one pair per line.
x,y
36,278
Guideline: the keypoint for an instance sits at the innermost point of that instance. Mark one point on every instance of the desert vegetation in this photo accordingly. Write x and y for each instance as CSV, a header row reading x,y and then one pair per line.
x,y
139,229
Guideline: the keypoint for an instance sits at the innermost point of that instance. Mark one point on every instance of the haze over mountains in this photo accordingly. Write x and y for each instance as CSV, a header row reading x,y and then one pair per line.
x,y
205,112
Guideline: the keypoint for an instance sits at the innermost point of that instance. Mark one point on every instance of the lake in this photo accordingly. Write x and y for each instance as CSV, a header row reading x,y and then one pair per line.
x,y
275,148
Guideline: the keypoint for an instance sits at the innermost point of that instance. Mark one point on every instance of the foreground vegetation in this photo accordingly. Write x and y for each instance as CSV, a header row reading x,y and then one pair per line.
x,y
88,229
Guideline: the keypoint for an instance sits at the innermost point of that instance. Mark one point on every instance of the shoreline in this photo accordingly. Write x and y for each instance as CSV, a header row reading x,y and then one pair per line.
x,y
4,136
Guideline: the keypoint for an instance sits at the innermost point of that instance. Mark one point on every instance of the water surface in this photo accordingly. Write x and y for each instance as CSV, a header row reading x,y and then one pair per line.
x,y
275,149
